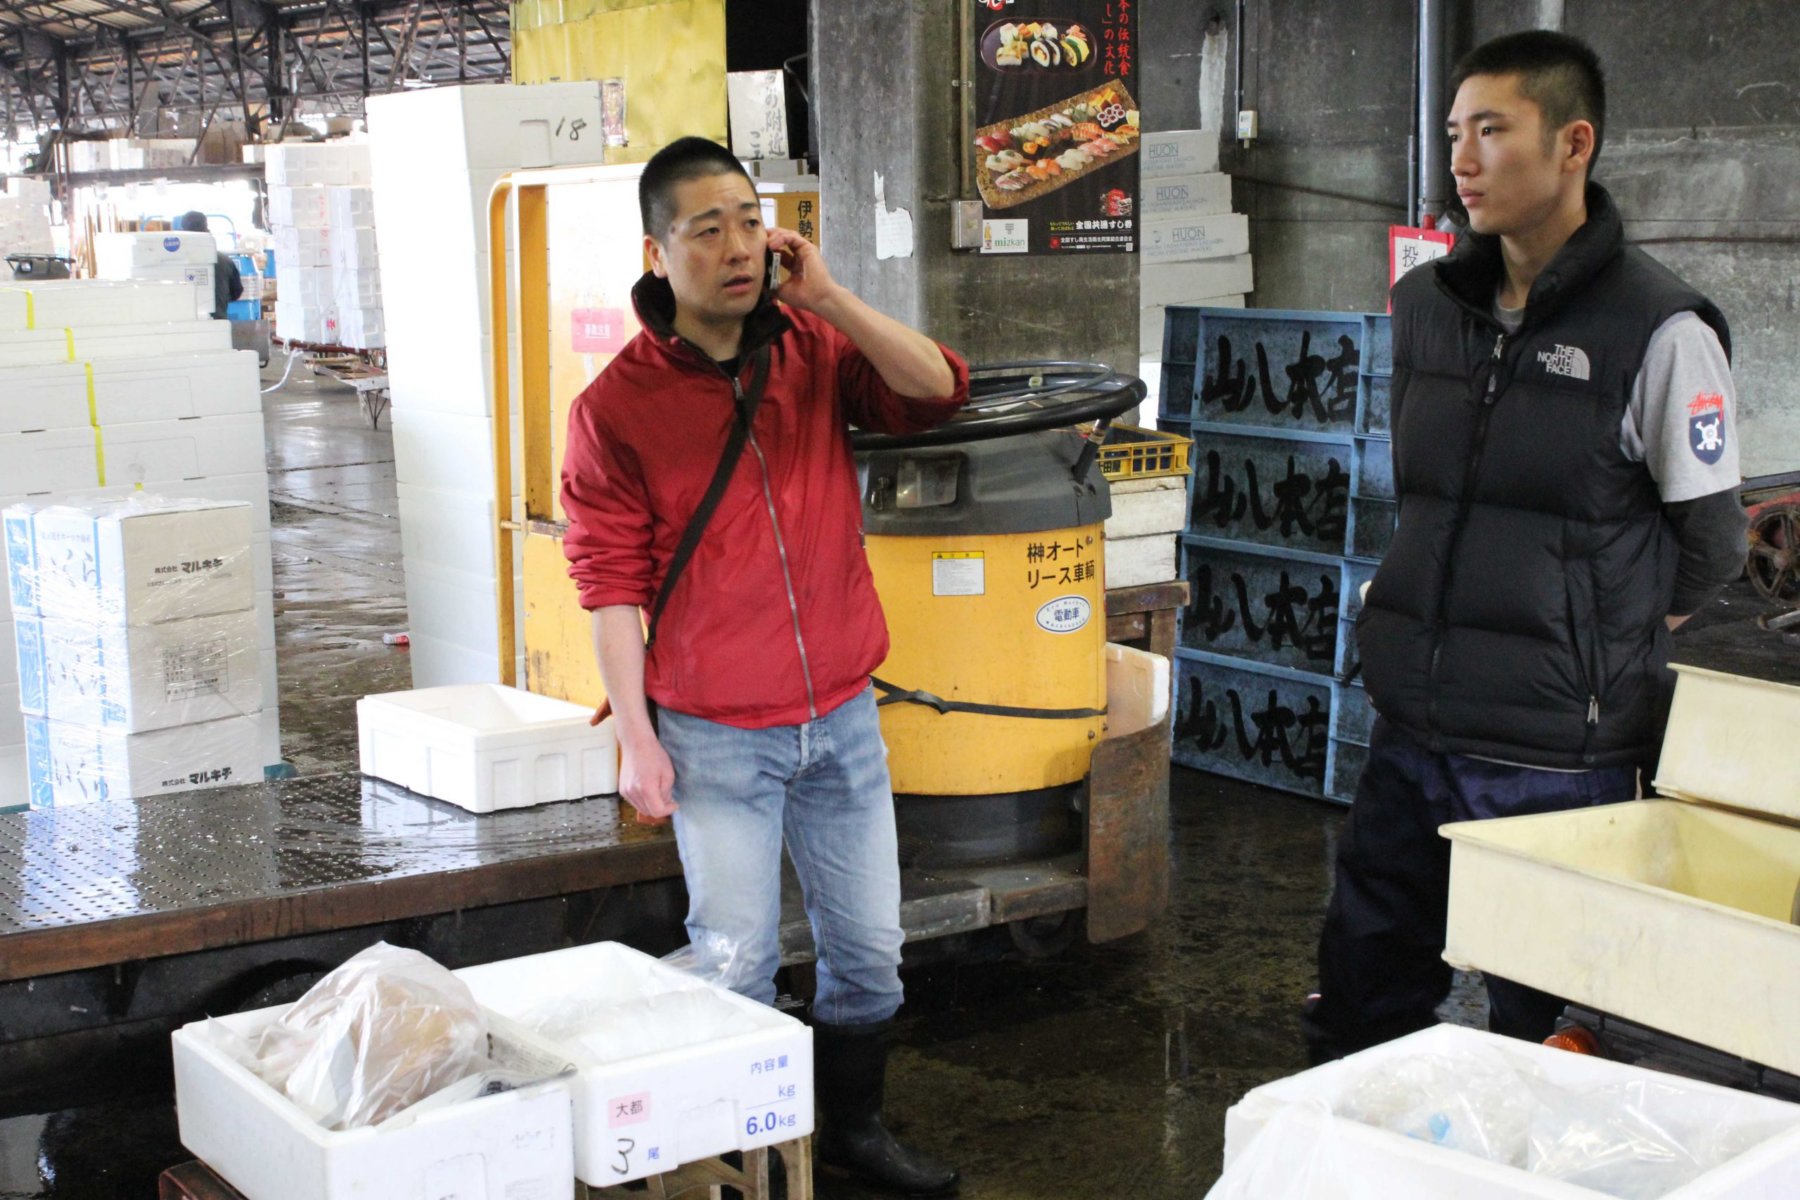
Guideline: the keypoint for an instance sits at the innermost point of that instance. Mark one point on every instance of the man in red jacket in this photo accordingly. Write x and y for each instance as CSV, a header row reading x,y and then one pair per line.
x,y
761,646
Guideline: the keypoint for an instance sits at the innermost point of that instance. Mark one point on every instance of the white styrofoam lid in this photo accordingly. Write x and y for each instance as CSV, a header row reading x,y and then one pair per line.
x,y
1730,742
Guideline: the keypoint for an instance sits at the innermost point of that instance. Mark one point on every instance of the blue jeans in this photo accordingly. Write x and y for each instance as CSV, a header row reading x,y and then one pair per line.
x,y
822,788
1381,966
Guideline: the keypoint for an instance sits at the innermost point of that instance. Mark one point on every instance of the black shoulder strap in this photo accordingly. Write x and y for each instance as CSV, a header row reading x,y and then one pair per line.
x,y
715,491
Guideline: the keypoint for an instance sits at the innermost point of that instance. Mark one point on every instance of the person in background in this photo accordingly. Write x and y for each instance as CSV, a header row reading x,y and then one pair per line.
x,y
228,284
749,718
1566,458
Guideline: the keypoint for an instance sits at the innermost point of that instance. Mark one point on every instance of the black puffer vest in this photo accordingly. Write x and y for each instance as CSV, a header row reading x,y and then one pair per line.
x,y
1519,613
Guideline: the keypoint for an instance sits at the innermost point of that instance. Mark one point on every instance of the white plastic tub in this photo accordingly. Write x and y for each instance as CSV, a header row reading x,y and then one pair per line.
x,y
1375,1162
515,1144
648,1112
484,746
1671,913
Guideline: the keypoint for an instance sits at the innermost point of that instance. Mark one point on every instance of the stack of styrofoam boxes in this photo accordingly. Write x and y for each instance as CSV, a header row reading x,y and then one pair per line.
x,y
1148,514
1194,249
1290,509
437,155
25,217
101,395
322,217
138,647
180,257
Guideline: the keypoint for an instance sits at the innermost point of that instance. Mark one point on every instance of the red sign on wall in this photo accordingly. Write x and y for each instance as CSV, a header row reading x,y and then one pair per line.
x,y
598,330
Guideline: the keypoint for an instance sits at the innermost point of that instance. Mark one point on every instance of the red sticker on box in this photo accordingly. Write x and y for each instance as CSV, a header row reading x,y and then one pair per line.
x,y
598,330
628,1110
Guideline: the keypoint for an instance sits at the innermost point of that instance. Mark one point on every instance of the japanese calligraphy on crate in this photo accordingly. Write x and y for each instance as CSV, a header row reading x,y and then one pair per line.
x,y
1269,727
1268,607
1054,148
1271,491
1278,371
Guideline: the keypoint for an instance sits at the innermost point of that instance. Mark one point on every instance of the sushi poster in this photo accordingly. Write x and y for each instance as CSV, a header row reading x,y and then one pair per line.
x,y
1056,125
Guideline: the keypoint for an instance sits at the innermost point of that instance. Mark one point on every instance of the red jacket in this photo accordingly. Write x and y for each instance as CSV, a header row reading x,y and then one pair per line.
x,y
644,440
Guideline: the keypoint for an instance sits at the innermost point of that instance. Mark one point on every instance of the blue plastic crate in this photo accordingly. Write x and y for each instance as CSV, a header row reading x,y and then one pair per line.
x,y
1378,344
1352,716
1287,491
1260,604
1372,469
1252,721
1175,425
1175,391
1181,333
1375,408
1349,661
1343,769
1372,524
244,310
1285,370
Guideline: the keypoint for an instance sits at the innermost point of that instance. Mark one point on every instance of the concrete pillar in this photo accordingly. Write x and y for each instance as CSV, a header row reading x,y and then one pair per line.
x,y
885,81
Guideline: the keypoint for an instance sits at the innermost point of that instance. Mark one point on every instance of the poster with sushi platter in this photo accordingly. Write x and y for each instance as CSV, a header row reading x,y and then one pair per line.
x,y
1056,122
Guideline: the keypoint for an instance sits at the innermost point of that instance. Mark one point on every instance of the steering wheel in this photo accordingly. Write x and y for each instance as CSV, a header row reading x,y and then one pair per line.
x,y
1025,397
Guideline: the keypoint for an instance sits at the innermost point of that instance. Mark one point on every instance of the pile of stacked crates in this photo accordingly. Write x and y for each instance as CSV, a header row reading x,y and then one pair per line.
x,y
103,397
1193,249
1291,506
138,647
24,218
174,256
322,216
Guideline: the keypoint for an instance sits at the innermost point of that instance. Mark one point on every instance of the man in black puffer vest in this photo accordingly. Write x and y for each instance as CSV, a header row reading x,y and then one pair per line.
x,y
1567,468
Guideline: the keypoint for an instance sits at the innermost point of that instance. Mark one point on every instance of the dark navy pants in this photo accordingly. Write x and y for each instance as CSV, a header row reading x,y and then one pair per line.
x,y
1381,970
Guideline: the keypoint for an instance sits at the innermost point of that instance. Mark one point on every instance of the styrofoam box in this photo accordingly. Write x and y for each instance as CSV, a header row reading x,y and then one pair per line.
x,y
1411,1169
1670,913
13,796
136,679
452,529
91,766
27,658
9,661
677,1105
297,249
484,747
84,303
121,255
1133,562
151,340
296,322
145,452
141,560
454,608
21,558
159,389
354,287
1137,689
1145,506
514,1144
1190,238
304,207
1185,196
454,453
268,741
1184,283
12,722
351,208
1179,152
438,662
354,247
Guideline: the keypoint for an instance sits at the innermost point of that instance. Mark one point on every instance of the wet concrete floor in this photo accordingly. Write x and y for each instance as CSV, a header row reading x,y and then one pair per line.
x,y
1104,1072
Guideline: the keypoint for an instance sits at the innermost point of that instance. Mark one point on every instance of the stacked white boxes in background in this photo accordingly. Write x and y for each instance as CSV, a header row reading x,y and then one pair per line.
x,y
102,397
323,219
437,155
25,217
1194,249
138,651
178,257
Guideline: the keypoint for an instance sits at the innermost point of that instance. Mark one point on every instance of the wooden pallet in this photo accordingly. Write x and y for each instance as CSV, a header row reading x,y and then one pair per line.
x,y
194,1181
714,1174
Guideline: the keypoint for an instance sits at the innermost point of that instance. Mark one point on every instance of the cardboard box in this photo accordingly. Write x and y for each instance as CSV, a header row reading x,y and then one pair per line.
x,y
133,679
1203,195
511,1145
681,1103
75,764
1179,152
1187,283
142,560
1189,238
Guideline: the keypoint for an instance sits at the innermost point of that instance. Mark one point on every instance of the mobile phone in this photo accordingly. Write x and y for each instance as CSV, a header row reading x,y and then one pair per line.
x,y
773,267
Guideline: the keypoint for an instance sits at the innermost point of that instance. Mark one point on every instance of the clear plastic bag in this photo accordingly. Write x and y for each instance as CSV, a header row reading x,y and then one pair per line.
x,y
380,1033
1297,1155
488,1081
610,1029
1476,1102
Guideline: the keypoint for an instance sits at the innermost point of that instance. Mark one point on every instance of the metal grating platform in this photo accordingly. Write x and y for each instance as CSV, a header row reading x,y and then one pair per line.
x,y
104,883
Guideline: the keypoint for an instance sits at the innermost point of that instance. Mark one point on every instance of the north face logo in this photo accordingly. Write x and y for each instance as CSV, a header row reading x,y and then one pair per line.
x,y
1565,360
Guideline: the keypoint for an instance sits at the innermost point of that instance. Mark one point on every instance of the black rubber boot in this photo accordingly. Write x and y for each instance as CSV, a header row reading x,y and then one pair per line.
x,y
850,1072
